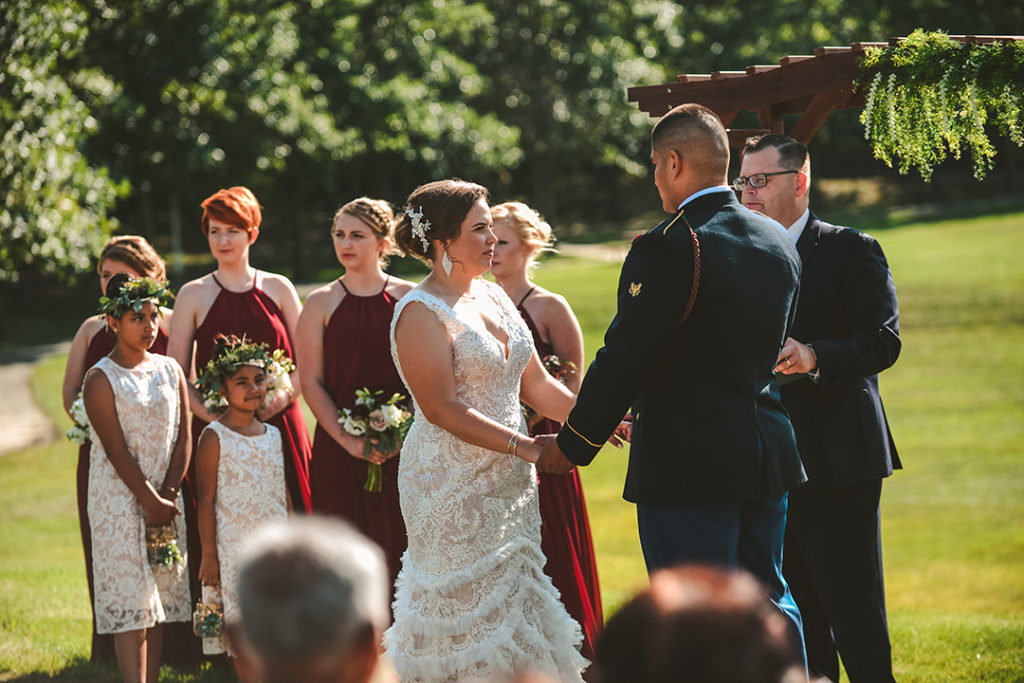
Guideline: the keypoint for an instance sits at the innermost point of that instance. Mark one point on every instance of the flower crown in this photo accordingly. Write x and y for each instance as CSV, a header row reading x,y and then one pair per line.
x,y
420,225
133,293
231,353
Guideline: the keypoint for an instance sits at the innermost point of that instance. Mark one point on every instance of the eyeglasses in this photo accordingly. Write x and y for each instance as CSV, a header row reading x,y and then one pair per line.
x,y
756,180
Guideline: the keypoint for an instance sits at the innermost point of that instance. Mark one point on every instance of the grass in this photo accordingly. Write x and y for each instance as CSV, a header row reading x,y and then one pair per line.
x,y
953,520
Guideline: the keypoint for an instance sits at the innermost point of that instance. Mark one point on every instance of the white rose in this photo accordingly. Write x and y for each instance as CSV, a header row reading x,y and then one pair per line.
x,y
392,415
378,421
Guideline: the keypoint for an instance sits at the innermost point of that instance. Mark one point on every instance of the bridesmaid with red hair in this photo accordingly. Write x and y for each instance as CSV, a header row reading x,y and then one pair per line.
x,y
134,256
344,345
241,300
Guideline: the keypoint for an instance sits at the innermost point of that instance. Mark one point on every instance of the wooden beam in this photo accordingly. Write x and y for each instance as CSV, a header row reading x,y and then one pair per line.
x,y
728,116
761,68
692,78
823,104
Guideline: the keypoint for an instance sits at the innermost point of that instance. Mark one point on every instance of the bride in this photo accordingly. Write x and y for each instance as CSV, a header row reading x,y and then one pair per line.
x,y
472,599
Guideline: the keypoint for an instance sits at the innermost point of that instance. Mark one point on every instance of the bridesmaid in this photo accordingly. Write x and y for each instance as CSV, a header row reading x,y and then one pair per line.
x,y
565,529
344,345
132,255
240,300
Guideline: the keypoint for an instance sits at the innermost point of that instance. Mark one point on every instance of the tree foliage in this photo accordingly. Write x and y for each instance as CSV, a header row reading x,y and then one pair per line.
x,y
54,213
931,96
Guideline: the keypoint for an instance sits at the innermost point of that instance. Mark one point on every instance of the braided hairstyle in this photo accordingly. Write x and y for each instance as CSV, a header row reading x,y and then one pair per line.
x,y
378,216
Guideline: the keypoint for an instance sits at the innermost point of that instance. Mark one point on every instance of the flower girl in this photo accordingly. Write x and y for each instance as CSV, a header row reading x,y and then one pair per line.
x,y
239,470
137,407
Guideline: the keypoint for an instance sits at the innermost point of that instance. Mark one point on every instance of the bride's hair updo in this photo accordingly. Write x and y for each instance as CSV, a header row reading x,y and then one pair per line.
x,y
528,225
444,204
378,216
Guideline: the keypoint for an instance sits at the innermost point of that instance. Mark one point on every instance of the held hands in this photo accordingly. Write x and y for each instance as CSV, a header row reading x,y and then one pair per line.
x,y
795,358
622,433
552,460
160,511
209,570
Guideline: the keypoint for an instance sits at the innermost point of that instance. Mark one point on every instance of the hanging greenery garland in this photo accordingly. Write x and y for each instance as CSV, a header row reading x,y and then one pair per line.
x,y
931,96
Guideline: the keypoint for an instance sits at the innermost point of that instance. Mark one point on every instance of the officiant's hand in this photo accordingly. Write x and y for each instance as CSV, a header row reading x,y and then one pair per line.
x,y
552,460
795,358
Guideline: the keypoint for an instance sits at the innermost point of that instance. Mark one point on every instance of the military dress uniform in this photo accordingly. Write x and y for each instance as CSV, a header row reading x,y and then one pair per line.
x,y
713,452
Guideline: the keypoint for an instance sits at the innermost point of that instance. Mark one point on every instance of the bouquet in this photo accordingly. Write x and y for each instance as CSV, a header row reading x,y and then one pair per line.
x,y
208,619
383,423
162,547
79,431
560,370
275,364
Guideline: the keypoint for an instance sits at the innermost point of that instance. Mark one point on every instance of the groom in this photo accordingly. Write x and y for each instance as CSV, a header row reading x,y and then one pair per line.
x,y
713,452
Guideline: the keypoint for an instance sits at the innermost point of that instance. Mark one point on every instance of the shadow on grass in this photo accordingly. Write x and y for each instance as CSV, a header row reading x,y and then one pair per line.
x,y
81,670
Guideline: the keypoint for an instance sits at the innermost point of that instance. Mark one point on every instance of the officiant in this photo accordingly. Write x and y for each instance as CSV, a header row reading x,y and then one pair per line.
x,y
846,331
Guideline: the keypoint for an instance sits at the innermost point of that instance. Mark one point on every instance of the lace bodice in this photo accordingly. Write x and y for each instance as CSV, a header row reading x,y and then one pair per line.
x,y
472,600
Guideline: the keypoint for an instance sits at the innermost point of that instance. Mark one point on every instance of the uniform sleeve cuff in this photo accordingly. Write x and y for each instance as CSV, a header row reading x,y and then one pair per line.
x,y
576,447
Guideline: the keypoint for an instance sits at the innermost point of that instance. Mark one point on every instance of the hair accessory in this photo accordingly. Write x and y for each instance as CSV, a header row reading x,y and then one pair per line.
x,y
446,263
420,225
230,353
133,293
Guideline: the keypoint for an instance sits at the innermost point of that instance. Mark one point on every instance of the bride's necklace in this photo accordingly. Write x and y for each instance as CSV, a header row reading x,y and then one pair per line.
x,y
447,292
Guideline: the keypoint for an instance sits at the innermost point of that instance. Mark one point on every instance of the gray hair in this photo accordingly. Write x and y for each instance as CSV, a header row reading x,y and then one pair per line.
x,y
311,586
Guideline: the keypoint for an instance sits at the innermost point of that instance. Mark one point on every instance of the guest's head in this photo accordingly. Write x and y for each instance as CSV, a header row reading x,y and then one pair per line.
x,y
313,603
775,176
363,233
697,624
452,216
231,222
690,152
522,236
132,309
132,255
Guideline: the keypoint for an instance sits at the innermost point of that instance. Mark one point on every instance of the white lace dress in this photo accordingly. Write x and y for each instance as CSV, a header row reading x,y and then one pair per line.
x,y
250,494
129,593
472,600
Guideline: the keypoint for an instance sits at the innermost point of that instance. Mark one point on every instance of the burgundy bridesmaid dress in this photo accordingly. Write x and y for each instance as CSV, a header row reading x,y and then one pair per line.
x,y
565,530
101,344
357,354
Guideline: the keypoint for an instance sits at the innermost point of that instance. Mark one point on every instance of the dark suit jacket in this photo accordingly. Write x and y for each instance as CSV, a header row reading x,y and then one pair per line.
x,y
849,314
702,395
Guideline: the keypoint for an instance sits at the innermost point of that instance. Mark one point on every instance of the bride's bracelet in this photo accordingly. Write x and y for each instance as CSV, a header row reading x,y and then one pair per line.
x,y
513,444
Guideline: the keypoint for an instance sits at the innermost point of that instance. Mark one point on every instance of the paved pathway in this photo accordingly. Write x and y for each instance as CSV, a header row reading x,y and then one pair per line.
x,y
22,423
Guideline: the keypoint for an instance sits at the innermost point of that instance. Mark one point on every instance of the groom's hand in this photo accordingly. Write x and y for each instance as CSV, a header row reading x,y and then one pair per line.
x,y
552,460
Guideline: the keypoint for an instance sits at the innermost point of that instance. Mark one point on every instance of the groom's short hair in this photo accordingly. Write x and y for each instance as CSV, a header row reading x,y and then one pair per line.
x,y
697,623
311,587
697,134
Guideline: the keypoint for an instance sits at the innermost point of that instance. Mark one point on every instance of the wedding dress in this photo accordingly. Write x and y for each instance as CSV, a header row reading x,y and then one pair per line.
x,y
472,600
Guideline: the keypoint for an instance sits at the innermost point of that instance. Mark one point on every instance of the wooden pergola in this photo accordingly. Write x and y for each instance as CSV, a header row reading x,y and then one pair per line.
x,y
811,85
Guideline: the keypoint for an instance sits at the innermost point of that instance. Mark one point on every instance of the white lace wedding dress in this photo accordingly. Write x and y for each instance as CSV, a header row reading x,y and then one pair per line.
x,y
472,600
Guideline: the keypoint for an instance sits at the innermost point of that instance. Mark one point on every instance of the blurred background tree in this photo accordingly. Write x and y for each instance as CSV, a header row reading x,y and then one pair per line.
x,y
313,103
54,215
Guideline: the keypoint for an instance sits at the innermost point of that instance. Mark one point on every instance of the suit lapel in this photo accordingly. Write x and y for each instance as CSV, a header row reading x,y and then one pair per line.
x,y
808,241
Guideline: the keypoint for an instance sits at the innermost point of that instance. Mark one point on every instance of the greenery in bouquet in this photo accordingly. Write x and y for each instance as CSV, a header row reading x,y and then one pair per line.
x,y
560,370
230,354
79,431
384,423
162,547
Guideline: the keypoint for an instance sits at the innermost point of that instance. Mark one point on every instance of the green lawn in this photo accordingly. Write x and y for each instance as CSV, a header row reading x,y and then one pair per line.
x,y
953,520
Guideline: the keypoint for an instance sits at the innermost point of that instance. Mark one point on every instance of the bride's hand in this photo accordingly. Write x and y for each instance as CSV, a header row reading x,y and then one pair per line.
x,y
528,448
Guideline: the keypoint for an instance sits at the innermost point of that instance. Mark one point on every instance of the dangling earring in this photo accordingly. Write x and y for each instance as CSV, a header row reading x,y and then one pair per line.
x,y
446,263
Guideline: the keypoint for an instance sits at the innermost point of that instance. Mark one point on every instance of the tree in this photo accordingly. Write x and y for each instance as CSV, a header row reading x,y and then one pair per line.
x,y
54,216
